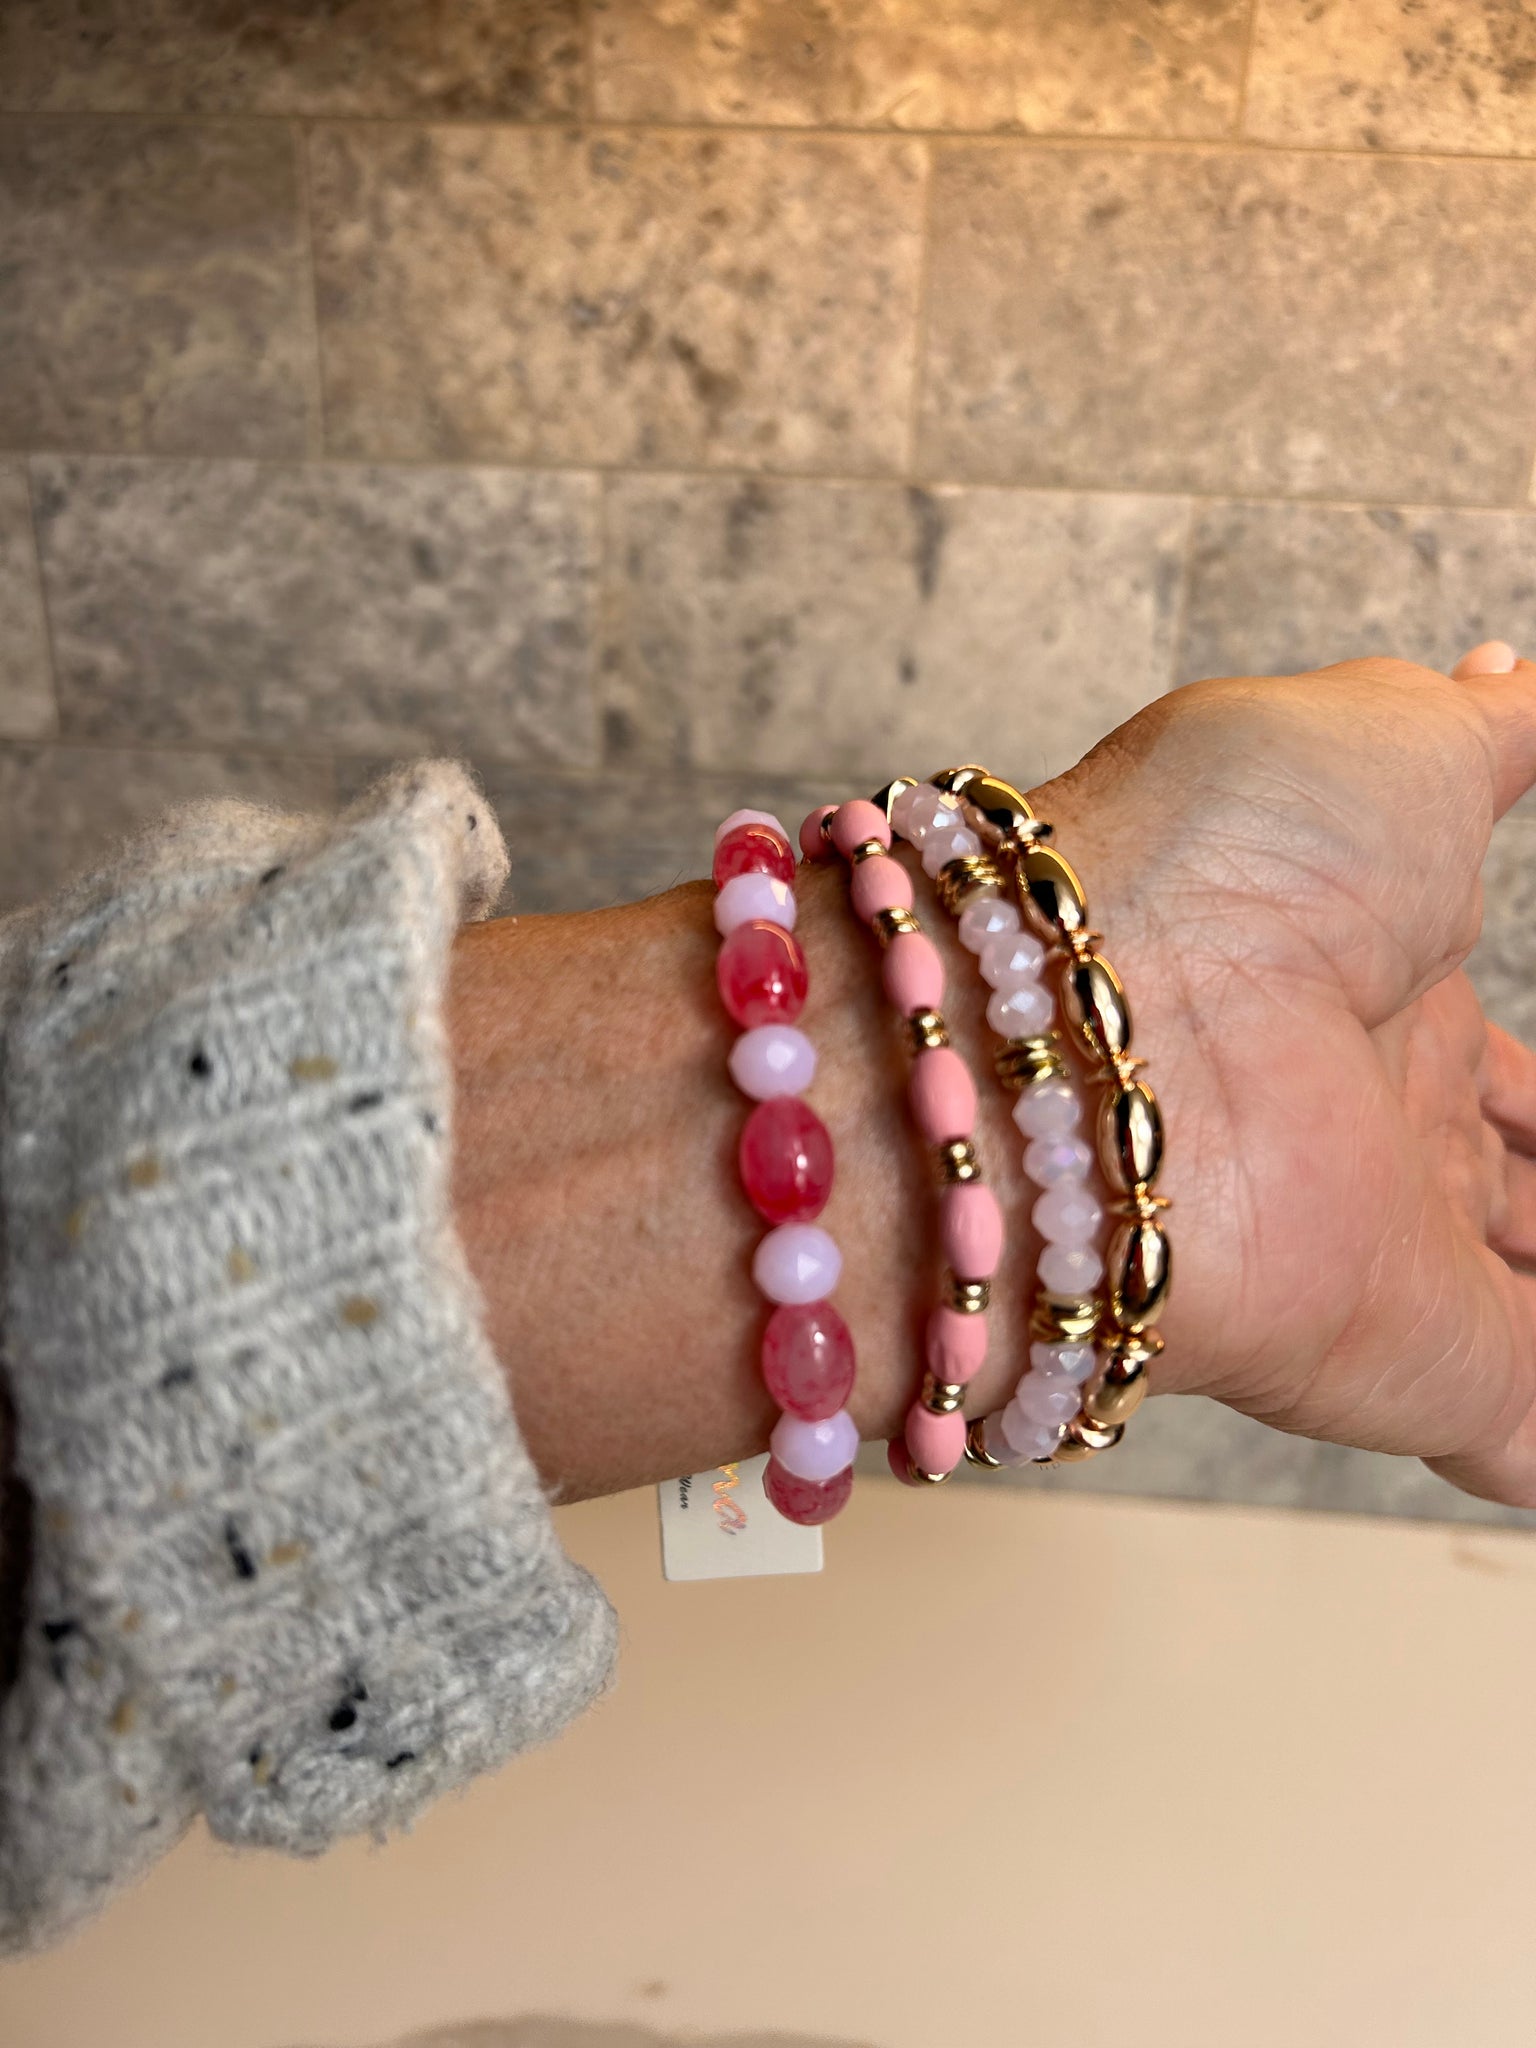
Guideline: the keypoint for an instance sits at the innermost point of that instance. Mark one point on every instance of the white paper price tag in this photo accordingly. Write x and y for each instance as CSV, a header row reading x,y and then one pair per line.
x,y
721,1525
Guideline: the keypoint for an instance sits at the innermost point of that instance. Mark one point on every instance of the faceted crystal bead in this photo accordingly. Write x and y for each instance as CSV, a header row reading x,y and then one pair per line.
x,y
1023,1011
785,1156
1072,1362
1029,1439
808,1360
803,1500
943,846
774,1059
998,1445
921,794
1050,1400
754,897
1048,1160
1047,1109
760,971
932,815
798,1262
815,1450
753,850
1072,1270
1067,1214
986,917
1009,958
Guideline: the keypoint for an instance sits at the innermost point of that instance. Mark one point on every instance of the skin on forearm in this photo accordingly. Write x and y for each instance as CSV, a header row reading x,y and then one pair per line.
x,y
596,1190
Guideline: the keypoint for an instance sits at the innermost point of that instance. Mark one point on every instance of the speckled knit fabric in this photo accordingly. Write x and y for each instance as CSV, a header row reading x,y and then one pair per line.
x,y
291,1565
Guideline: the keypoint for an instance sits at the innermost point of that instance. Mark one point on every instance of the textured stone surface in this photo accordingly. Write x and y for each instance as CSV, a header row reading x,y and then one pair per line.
x,y
1129,67
1221,322
864,628
155,296
1276,589
547,295
1395,74
516,59
351,609
26,688
64,807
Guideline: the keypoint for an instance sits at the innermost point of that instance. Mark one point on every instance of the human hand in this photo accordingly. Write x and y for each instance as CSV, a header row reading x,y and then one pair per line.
x,y
1287,873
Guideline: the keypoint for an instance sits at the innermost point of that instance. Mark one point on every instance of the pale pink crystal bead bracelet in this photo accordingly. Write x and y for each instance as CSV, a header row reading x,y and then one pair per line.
x,y
943,1102
1021,1011
785,1160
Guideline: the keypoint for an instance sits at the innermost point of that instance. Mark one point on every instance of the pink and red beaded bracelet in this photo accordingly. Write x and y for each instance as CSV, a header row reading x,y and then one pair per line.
x,y
785,1158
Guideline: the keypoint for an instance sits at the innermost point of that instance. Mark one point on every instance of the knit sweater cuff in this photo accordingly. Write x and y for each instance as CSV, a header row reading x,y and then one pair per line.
x,y
291,1566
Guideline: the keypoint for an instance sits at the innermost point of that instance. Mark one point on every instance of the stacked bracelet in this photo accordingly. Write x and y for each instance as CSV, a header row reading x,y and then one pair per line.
x,y
1020,1010
943,1099
786,1164
1130,1132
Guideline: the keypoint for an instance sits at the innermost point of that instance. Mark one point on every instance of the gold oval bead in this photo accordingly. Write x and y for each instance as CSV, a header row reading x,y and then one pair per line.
x,y
1116,1397
1050,893
997,807
958,1162
1130,1136
967,1297
1093,1000
1140,1268
927,1030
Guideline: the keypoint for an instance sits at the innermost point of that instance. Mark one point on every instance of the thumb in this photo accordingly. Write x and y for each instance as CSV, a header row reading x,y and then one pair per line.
x,y
1504,686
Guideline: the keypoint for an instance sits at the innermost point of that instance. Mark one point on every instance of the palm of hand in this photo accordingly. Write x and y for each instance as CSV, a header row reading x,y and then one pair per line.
x,y
1340,1115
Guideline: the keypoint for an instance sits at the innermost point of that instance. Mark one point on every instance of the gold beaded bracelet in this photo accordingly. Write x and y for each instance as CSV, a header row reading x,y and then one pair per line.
x,y
1120,1321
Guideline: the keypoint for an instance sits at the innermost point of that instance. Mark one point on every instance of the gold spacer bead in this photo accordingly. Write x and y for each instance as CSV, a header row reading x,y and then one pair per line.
x,y
976,1452
967,1297
890,924
1083,945
927,1030
958,1162
941,1397
958,879
919,1477
1059,1320
867,849
1022,1061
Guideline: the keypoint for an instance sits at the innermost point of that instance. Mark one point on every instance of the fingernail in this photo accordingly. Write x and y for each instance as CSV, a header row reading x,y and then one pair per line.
x,y
1493,658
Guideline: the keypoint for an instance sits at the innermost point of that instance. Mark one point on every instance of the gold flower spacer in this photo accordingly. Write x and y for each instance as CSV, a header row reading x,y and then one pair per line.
x,y
967,1297
927,1031
976,1452
890,924
1022,1061
1140,1203
957,1162
941,1397
867,849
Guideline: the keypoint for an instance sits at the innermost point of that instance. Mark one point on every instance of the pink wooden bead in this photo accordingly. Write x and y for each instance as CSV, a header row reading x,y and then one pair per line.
x,y
896,1457
956,1346
812,845
943,1095
803,1500
857,822
879,884
913,973
936,1442
971,1229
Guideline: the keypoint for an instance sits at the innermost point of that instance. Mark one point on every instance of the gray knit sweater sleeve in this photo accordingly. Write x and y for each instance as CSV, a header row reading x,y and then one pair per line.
x,y
290,1565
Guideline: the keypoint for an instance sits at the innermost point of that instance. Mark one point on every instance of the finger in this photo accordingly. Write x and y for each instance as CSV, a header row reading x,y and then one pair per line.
x,y
1507,701
1501,1464
1506,1087
1490,658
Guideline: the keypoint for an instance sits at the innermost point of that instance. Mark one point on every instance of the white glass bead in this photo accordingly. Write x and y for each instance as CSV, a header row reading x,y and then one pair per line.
x,y
948,846
772,1059
1067,1214
1043,1399
932,815
998,1445
983,918
797,1263
754,896
1023,1011
817,1451
1011,957
749,818
1070,1269
903,805
1048,1160
1072,1362
1030,1439
1047,1109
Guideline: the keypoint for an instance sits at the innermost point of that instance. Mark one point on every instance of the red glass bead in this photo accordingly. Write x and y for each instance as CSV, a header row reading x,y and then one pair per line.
x,y
785,1158
753,850
761,974
808,1360
803,1500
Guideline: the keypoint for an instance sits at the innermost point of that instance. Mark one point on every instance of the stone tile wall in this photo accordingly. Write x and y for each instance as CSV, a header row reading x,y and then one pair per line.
x,y
668,404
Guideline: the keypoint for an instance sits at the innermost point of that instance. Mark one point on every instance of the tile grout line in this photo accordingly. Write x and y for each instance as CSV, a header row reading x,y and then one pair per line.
x,y
312,298
1181,608
50,654
1064,141
918,385
1250,37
